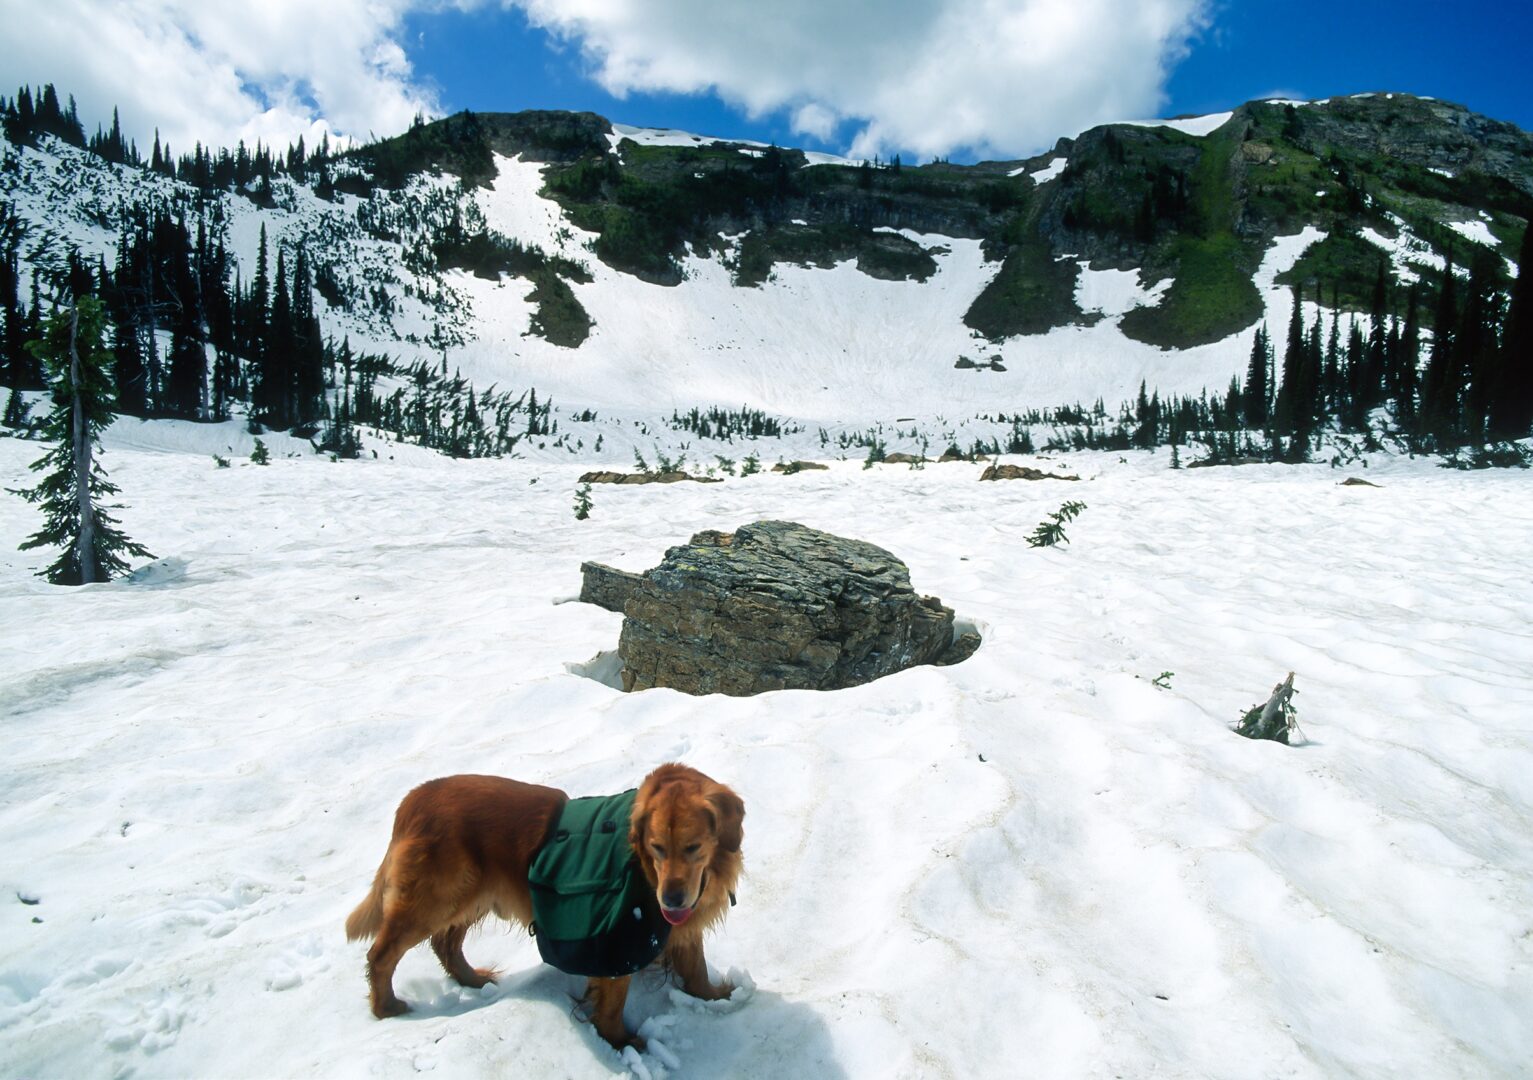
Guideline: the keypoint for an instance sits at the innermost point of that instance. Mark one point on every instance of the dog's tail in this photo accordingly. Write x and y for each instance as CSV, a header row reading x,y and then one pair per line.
x,y
365,921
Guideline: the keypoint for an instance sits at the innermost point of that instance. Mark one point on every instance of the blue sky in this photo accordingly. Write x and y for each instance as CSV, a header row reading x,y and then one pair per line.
x,y
963,78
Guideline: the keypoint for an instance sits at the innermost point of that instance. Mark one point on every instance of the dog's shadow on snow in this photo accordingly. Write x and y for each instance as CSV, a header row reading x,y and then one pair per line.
x,y
766,1035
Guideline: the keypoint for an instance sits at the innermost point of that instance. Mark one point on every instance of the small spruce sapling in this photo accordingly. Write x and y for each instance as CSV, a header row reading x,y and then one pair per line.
x,y
726,465
751,465
16,411
74,485
638,460
582,502
260,455
1051,532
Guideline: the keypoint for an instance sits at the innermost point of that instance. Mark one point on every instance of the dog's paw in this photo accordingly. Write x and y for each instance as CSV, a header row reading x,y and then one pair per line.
x,y
386,1009
635,1062
737,988
656,1029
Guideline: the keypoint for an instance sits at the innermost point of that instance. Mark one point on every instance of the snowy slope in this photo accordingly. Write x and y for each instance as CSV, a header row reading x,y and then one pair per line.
x,y
827,346
1032,864
823,345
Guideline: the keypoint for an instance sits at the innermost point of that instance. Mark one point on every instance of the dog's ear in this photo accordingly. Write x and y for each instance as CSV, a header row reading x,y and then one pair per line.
x,y
728,817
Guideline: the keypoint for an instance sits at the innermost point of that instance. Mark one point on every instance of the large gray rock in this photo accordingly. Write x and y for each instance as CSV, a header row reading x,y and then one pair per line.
x,y
776,606
606,586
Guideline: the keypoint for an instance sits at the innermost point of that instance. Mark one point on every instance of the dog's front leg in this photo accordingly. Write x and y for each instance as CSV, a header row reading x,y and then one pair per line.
x,y
687,961
607,997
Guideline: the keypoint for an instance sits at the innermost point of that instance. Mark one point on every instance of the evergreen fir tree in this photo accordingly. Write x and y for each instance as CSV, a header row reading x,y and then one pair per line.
x,y
1286,410
1370,381
1351,406
1330,372
1408,364
1477,358
308,347
277,376
1439,390
1257,388
1511,413
71,492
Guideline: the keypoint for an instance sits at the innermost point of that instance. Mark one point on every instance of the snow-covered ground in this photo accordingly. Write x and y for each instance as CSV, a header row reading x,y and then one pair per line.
x,y
1036,863
823,344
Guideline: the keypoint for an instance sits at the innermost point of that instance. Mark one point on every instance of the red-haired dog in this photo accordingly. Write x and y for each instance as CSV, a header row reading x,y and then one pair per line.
x,y
462,847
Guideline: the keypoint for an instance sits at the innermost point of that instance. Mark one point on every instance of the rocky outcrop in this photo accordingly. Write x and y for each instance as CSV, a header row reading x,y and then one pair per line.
x,y
604,476
772,606
1021,472
606,586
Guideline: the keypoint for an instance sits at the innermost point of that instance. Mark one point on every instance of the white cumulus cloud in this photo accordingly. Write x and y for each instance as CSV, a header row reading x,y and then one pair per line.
x,y
999,77
218,71
994,77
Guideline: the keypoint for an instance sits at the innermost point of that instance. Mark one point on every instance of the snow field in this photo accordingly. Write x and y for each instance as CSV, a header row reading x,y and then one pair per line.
x,y
823,343
1033,863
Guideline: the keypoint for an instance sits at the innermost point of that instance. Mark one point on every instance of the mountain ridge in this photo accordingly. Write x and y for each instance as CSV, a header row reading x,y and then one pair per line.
x,y
660,271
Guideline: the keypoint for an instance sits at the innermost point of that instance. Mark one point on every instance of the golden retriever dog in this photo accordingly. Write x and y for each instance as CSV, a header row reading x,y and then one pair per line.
x,y
461,849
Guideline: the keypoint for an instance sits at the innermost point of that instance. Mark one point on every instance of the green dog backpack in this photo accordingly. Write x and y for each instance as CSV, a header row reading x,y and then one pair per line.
x,y
590,912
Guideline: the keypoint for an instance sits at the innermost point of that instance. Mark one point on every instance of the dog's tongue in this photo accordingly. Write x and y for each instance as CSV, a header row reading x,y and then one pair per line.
x,y
676,916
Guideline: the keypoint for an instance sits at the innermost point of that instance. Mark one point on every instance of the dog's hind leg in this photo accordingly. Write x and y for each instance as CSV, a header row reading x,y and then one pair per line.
x,y
396,937
448,946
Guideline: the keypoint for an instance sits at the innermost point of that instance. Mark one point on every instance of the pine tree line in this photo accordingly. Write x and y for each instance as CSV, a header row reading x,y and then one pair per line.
x,y
1471,384
727,425
256,348
34,113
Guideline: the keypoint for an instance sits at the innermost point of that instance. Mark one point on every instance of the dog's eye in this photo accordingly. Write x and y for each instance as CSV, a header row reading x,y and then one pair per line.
x,y
692,849
658,850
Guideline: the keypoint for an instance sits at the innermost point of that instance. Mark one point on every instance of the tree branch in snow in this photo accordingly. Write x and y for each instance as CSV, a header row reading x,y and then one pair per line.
x,y
1276,720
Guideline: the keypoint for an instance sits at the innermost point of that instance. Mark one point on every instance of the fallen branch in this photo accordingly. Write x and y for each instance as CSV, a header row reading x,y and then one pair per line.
x,y
1276,720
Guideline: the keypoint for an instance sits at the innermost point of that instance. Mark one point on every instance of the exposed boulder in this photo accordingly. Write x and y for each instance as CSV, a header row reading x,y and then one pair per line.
x,y
773,606
606,586
1021,472
605,476
952,454
788,468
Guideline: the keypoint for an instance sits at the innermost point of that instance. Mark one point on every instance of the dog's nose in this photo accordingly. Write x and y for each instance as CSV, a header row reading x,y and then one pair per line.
x,y
674,898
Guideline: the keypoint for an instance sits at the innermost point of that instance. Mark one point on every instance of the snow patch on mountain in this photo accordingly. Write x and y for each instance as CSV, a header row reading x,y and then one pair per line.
x,y
1045,174
1476,231
1115,292
1188,125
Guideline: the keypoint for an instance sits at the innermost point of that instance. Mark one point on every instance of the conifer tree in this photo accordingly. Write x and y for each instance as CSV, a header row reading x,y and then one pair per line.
x,y
1511,412
1370,376
1330,371
1476,356
1439,390
71,492
1352,414
1286,410
277,376
1257,388
308,347
1408,364
255,325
